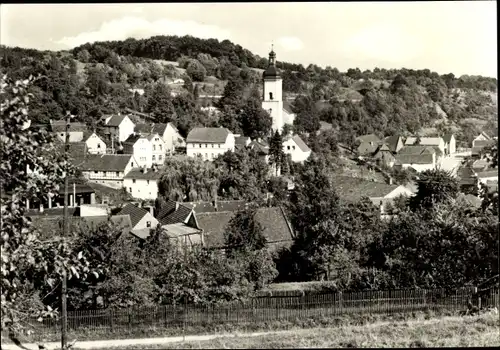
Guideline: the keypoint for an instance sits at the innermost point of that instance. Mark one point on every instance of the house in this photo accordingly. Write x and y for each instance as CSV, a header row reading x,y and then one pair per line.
x,y
142,220
183,235
450,144
76,130
480,146
147,149
107,169
241,142
479,140
167,131
419,158
95,144
351,189
142,182
395,143
368,144
296,148
384,155
280,111
426,141
488,176
276,227
209,143
119,127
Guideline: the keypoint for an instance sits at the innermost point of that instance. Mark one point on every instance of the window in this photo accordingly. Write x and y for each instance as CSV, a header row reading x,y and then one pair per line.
x,y
206,146
218,145
130,189
213,145
98,145
133,181
199,145
148,182
154,157
157,139
148,223
105,173
270,95
132,164
154,147
96,172
160,147
293,147
288,147
62,134
160,157
117,173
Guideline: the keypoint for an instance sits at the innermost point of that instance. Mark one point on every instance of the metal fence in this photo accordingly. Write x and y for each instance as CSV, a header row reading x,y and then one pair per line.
x,y
265,309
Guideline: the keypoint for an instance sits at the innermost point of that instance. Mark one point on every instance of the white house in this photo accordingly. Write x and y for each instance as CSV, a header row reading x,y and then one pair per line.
x,y
107,169
479,140
95,144
272,100
142,220
76,130
487,176
119,126
142,183
420,158
168,132
147,149
427,141
297,148
450,144
209,143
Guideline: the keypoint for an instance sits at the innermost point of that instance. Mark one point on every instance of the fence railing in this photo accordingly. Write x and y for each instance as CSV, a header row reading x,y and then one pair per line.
x,y
122,322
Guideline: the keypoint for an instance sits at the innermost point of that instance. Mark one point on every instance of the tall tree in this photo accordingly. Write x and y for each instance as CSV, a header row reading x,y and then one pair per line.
x,y
276,152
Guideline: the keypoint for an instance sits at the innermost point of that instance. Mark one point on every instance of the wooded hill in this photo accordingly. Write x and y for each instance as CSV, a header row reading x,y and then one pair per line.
x,y
108,77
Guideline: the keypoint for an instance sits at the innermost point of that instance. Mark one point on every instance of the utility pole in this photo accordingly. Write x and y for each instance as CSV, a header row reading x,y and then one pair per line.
x,y
64,313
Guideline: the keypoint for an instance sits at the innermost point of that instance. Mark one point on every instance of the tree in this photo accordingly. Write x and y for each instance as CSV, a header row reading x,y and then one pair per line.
x,y
160,104
196,70
255,122
434,186
307,116
276,152
28,263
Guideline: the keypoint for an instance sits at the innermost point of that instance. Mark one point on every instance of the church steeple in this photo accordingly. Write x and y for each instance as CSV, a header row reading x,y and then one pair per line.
x,y
271,71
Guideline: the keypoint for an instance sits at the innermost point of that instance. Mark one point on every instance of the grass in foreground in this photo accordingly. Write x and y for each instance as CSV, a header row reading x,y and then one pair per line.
x,y
482,330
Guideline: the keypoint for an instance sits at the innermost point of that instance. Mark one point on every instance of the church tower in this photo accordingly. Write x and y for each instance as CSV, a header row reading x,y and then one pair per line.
x,y
272,100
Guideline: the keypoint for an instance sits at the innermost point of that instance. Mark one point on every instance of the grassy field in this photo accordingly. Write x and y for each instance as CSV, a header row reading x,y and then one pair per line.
x,y
482,330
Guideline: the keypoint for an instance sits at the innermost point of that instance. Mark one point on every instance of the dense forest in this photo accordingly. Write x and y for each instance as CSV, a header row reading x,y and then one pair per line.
x,y
102,78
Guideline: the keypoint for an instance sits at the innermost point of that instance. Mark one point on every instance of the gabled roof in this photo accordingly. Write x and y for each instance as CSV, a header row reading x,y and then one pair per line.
x,y
368,138
416,155
486,135
447,137
392,142
424,141
178,216
241,140
106,162
353,189
301,144
139,174
60,126
366,149
136,213
208,207
166,208
287,106
116,120
275,226
132,139
484,143
417,150
260,147
158,128
208,135
180,230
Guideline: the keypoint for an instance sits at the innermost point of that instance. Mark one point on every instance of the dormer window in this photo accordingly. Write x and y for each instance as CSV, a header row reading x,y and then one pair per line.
x,y
270,95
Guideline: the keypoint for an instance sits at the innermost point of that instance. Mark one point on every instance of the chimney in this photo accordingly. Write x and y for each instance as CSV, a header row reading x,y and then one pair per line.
x,y
176,206
144,169
390,181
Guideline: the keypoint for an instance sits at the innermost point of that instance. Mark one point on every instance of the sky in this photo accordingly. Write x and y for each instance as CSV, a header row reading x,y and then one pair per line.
x,y
444,36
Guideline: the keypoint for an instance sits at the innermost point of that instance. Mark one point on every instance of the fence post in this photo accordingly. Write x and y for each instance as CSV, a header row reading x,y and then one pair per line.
x,y
129,323
111,319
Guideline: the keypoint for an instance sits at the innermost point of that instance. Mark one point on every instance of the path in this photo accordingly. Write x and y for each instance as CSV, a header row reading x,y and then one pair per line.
x,y
120,343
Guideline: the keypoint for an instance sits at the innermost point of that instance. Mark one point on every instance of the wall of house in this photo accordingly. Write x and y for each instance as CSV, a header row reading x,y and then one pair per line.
x,y
141,188
95,145
288,118
74,136
143,222
210,151
158,150
143,153
298,156
170,137
126,129
93,210
452,146
486,180
420,167
479,138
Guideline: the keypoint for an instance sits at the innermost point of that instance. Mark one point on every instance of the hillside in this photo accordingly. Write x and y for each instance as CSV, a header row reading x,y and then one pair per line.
x,y
100,78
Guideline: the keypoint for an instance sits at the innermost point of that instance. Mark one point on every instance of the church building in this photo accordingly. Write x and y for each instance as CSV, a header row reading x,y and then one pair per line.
x,y
272,100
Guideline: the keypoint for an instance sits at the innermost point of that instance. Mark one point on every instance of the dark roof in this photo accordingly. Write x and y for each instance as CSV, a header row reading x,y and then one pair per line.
x,y
368,138
260,147
287,106
301,144
138,173
60,126
417,150
179,216
154,128
105,162
208,135
366,148
424,158
484,143
208,207
79,188
353,189
136,213
273,221
132,139
241,140
115,120
476,150
166,208
325,125
488,173
53,212
392,142
447,137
